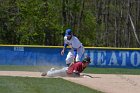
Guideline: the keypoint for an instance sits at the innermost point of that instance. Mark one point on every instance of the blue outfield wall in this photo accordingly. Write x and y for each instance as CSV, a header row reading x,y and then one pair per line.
x,y
114,57
49,55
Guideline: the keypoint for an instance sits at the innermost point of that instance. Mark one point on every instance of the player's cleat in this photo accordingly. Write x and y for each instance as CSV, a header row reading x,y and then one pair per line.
x,y
52,69
44,74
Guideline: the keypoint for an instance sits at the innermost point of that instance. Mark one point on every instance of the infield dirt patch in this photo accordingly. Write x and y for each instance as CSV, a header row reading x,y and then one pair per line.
x,y
108,83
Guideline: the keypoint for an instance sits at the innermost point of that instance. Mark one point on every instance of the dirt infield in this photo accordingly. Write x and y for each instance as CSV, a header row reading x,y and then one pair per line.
x,y
108,83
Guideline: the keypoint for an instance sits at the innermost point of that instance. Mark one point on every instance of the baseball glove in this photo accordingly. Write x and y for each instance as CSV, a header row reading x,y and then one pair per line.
x,y
44,74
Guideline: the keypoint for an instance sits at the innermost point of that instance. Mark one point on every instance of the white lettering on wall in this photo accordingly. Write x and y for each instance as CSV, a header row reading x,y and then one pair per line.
x,y
113,60
18,48
135,59
124,55
101,58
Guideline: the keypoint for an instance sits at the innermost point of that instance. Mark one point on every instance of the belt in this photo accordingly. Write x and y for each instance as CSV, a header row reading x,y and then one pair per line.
x,y
77,48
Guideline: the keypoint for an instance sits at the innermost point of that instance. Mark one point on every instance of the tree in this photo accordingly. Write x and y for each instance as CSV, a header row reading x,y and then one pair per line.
x,y
112,23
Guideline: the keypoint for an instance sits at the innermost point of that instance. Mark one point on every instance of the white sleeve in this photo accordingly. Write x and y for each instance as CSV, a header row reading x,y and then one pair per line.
x,y
65,40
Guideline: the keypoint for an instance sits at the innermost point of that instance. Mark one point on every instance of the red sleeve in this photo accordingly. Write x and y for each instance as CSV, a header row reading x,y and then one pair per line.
x,y
76,67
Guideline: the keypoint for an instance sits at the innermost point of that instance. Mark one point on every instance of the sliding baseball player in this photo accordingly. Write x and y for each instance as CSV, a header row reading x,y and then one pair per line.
x,y
72,71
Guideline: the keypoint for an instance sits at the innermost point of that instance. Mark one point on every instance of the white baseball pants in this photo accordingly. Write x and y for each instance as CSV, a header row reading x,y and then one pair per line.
x,y
54,73
70,55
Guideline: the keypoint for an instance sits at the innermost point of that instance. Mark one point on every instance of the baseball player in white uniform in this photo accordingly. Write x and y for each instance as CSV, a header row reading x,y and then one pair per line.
x,y
76,46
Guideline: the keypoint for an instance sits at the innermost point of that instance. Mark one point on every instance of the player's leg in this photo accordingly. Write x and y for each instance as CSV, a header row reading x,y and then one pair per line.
x,y
70,57
55,73
45,73
80,53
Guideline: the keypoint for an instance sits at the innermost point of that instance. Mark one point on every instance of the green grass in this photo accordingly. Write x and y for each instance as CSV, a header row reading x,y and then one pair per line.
x,y
51,85
41,85
112,71
24,68
87,70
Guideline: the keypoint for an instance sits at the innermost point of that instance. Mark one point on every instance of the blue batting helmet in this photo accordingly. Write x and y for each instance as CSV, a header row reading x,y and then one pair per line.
x,y
68,32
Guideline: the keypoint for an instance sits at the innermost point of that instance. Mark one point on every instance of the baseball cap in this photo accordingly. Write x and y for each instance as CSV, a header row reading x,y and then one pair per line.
x,y
68,32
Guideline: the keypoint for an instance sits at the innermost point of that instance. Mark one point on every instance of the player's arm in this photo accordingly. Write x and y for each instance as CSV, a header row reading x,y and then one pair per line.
x,y
63,50
76,74
65,45
73,74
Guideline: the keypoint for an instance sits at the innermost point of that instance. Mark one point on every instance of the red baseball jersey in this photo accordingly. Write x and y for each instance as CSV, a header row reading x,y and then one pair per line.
x,y
76,67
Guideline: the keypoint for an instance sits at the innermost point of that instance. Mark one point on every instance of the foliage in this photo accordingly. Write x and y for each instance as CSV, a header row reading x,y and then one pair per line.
x,y
95,22
89,26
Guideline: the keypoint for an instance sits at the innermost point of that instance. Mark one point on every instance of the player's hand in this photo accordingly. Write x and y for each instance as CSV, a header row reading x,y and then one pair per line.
x,y
75,74
62,52
71,47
